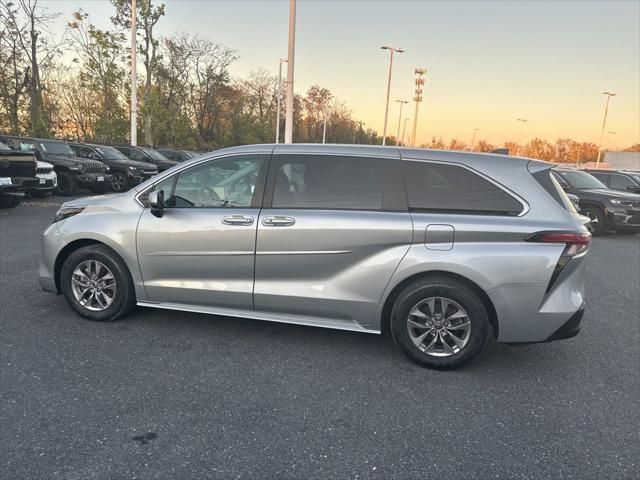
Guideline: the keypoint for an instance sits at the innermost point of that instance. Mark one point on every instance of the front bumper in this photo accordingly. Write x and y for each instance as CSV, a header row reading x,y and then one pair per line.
x,y
623,217
93,180
45,184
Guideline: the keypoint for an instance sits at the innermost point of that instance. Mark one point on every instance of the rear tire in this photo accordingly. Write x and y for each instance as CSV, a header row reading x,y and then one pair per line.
x,y
434,345
75,276
597,220
67,184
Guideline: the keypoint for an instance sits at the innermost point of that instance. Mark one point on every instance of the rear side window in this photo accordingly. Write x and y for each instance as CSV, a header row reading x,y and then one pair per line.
x,y
328,182
621,182
441,188
551,184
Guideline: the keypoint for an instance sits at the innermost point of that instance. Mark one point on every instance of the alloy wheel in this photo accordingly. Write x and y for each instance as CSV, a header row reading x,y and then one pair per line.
x,y
93,285
118,183
439,326
593,222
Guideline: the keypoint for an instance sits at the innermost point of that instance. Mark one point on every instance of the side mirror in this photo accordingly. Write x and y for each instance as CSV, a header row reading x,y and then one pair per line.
x,y
156,203
565,187
634,188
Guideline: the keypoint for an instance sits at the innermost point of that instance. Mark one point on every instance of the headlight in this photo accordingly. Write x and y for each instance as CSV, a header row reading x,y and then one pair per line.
x,y
133,169
107,169
66,212
623,203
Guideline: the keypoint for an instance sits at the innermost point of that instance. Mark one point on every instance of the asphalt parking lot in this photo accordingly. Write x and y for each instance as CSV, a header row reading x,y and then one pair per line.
x,y
182,395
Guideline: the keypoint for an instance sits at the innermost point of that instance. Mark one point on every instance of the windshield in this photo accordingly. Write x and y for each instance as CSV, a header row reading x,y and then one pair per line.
x,y
154,154
4,148
635,176
110,153
580,180
56,147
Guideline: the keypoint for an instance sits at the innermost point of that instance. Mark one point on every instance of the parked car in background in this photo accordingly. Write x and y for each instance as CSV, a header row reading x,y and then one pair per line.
x,y
72,171
575,201
445,248
146,154
176,155
47,180
618,180
125,173
17,173
606,208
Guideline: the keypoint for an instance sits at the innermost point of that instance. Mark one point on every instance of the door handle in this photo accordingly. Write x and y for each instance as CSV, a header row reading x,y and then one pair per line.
x,y
278,221
237,220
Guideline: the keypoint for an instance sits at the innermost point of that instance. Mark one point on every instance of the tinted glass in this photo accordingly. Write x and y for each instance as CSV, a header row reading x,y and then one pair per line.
x,y
56,147
110,153
154,154
229,182
439,187
329,182
136,154
605,178
4,148
580,179
621,182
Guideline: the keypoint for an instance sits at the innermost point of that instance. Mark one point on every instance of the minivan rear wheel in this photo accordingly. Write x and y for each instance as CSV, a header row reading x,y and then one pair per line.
x,y
439,322
97,284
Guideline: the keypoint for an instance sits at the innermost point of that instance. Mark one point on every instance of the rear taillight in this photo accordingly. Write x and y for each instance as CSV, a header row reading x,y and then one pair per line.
x,y
575,243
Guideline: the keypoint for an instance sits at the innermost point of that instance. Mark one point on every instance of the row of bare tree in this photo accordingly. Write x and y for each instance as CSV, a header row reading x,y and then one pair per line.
x,y
77,87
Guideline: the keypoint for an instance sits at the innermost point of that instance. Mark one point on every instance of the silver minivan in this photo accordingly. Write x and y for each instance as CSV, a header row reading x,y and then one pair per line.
x,y
443,249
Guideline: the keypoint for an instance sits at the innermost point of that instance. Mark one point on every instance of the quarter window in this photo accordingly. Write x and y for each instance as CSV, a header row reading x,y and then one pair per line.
x,y
440,187
620,182
329,182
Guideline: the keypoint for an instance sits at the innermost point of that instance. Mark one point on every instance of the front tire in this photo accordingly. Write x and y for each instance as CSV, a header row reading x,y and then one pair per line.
x,y
97,284
440,323
119,182
596,223
67,184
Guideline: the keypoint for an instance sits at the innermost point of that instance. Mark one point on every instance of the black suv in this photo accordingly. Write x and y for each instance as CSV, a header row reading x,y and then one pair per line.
x,y
125,173
176,154
146,154
17,173
72,171
606,208
618,180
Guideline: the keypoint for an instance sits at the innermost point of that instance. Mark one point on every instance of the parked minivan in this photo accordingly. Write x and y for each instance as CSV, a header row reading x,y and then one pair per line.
x,y
444,249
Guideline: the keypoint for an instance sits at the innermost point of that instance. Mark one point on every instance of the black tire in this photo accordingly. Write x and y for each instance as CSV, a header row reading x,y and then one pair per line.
x,y
10,201
124,299
120,182
67,184
100,189
597,225
458,292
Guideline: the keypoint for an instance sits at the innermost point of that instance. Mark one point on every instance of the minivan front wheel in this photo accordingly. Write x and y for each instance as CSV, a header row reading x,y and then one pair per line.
x,y
439,322
96,283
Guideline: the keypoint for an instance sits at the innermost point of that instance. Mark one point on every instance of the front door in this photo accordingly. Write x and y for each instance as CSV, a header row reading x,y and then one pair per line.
x,y
333,230
201,251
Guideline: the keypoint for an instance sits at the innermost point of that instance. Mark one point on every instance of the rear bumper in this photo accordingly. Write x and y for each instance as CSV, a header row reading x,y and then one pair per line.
x,y
571,328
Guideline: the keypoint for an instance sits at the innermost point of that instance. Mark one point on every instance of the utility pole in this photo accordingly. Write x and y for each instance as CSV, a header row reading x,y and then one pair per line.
x,y
288,124
386,108
420,72
473,138
401,102
282,60
134,77
604,121
324,128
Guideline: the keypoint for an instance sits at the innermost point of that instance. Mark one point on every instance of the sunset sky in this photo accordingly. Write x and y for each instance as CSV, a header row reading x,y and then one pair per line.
x,y
488,62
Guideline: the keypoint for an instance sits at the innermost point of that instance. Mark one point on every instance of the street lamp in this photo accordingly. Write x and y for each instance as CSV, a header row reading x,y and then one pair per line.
x,y
282,60
473,138
386,109
324,128
404,128
401,102
288,123
522,122
604,121
417,98
609,139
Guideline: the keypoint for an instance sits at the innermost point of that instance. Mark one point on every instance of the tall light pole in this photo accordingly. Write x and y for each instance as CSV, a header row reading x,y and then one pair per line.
x,y
473,138
386,108
522,121
404,128
282,60
324,128
604,121
134,77
401,102
609,138
288,124
418,99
